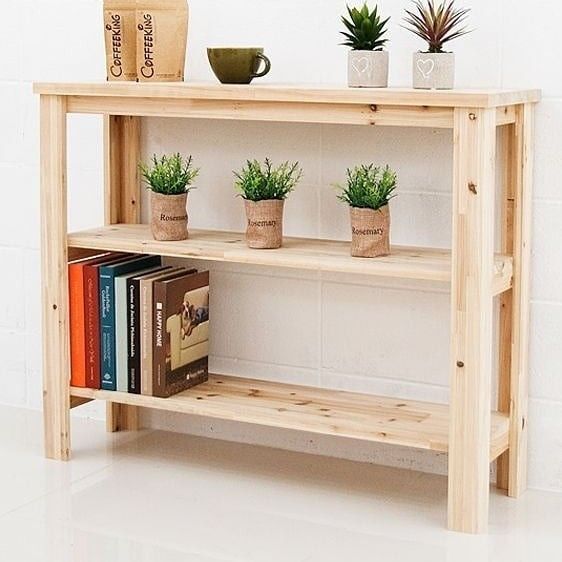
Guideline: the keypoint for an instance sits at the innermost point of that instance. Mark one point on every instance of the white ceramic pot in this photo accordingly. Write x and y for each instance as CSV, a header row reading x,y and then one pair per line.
x,y
434,71
367,69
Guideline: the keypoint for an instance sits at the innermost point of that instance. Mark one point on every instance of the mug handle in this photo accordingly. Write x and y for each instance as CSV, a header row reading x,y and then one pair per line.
x,y
267,67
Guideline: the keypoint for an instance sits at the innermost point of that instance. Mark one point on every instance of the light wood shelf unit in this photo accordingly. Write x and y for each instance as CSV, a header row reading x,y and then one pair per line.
x,y
471,433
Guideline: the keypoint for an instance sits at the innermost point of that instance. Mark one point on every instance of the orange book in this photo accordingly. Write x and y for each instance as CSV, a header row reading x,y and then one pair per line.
x,y
77,327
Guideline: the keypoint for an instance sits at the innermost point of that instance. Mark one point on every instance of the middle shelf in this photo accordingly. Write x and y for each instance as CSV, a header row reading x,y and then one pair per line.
x,y
297,253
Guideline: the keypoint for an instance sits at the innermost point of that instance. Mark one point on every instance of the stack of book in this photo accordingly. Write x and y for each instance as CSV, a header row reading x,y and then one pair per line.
x,y
136,325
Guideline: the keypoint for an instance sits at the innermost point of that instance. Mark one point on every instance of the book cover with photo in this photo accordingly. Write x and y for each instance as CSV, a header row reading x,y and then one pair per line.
x,y
146,286
180,333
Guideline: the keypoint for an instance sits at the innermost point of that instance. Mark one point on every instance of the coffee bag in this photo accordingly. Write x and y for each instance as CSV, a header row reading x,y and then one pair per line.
x,y
119,17
161,40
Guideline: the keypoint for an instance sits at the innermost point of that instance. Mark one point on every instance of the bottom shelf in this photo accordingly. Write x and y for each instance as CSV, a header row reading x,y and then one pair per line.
x,y
421,425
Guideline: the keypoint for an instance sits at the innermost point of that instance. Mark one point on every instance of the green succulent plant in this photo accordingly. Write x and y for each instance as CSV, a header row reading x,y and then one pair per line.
x,y
436,24
368,187
259,182
364,29
169,175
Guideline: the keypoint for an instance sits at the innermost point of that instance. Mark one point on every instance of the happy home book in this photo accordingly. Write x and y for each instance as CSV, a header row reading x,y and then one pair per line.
x,y
180,333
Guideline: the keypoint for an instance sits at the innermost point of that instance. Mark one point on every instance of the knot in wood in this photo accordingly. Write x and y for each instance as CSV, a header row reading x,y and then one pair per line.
x,y
460,364
472,188
472,116
373,107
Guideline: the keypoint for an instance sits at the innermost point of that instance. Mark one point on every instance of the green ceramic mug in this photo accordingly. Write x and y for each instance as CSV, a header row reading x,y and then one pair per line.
x,y
238,65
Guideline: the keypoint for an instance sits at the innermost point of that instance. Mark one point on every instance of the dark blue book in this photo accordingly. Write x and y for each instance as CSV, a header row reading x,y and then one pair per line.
x,y
107,313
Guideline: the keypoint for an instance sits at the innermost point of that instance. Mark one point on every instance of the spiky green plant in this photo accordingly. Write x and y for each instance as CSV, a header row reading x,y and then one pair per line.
x,y
169,175
436,24
368,186
259,182
365,29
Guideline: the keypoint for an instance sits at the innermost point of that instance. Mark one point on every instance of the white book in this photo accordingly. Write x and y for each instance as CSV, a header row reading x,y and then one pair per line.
x,y
121,350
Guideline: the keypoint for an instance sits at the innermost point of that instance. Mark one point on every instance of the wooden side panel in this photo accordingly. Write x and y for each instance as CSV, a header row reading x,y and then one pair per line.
x,y
522,226
472,315
56,347
508,143
122,205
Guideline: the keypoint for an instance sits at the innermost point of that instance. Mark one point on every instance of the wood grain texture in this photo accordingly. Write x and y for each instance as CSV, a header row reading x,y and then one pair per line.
x,y
292,112
295,94
121,175
122,150
421,425
54,260
299,253
508,146
522,228
472,318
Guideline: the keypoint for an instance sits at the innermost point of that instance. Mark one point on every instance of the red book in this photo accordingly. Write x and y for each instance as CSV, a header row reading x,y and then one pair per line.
x,y
91,358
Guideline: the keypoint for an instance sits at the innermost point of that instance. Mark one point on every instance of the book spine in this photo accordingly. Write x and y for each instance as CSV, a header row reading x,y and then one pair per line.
x,y
146,342
107,329
77,328
92,327
121,334
134,336
159,340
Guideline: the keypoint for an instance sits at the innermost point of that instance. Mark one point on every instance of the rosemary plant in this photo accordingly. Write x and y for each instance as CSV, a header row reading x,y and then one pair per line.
x,y
368,187
169,175
259,182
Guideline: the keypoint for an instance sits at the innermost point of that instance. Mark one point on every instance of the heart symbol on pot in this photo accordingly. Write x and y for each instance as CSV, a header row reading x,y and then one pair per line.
x,y
361,65
426,66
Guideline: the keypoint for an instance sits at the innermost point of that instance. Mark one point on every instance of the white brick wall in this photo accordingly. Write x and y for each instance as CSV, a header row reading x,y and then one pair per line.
x,y
332,330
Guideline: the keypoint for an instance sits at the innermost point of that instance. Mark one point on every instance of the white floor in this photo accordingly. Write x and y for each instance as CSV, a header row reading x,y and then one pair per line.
x,y
161,497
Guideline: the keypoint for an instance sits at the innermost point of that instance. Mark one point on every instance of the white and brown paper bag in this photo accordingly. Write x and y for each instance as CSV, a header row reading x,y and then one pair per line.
x,y
161,27
119,19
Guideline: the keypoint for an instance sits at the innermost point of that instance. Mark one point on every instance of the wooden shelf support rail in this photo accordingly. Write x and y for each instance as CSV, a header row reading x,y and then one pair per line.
x,y
122,205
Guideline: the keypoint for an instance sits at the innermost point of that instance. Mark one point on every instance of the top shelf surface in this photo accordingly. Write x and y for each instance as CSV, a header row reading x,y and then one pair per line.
x,y
293,93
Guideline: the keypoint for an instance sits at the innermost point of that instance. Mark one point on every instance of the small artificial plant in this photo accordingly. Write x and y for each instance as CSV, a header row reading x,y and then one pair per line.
x,y
365,29
170,175
368,187
436,24
259,182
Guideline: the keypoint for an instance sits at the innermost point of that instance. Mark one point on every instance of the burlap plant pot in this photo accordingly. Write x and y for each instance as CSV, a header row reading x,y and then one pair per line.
x,y
264,228
169,216
370,232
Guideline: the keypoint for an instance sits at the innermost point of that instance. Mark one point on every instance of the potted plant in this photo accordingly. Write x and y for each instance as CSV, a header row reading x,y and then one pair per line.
x,y
264,189
368,193
436,24
169,180
367,65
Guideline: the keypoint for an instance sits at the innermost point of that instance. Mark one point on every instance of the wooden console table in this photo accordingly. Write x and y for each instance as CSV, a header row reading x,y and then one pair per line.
x,y
473,433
